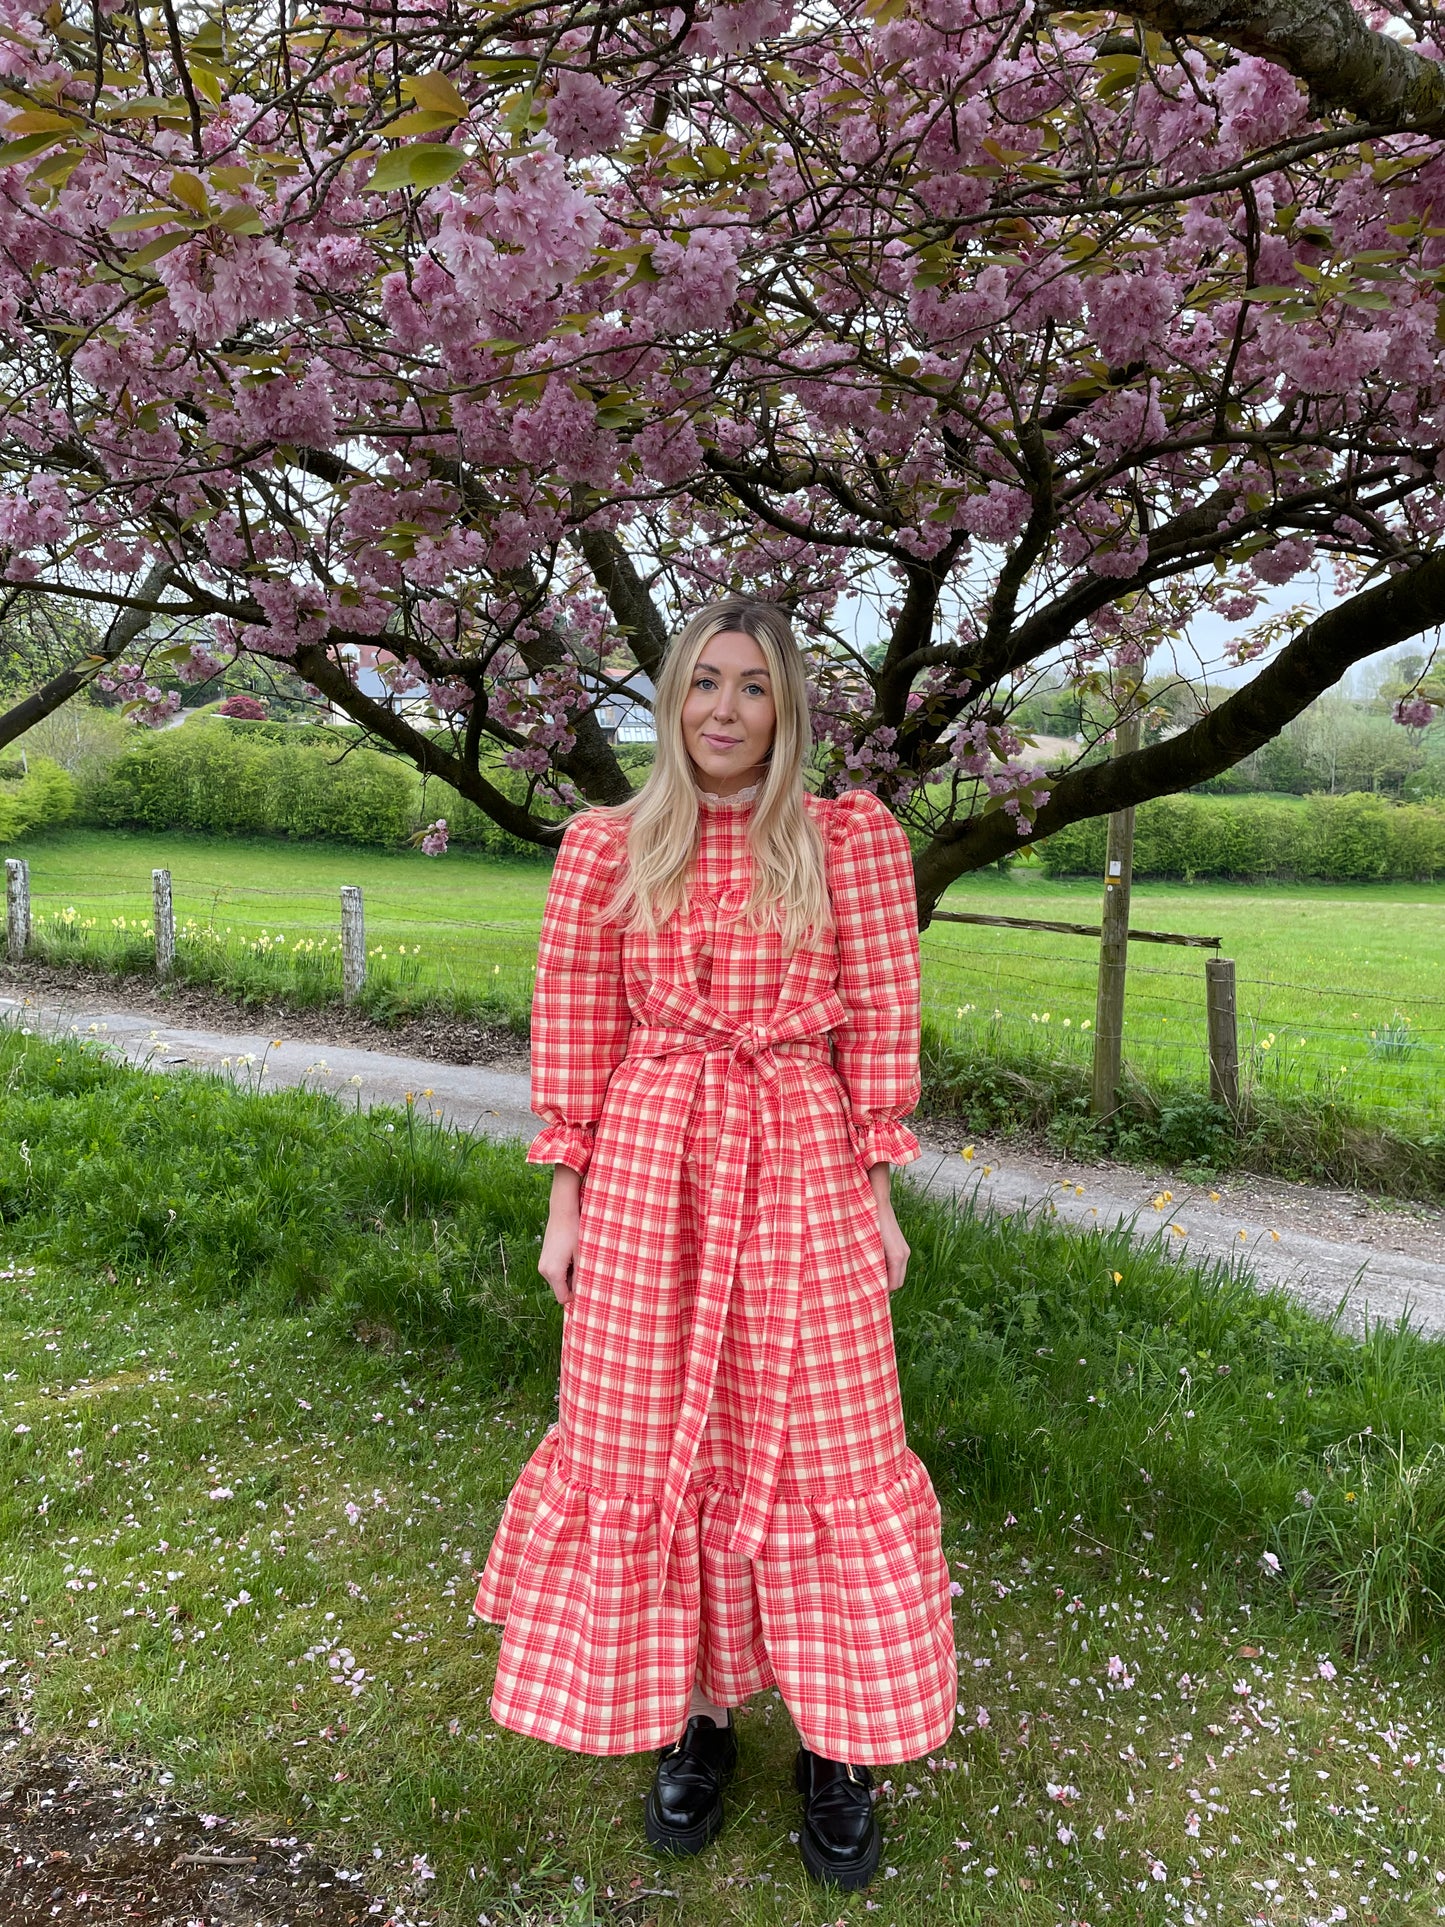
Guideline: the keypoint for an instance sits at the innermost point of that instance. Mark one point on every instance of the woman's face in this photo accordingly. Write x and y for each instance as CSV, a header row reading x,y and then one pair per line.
x,y
729,716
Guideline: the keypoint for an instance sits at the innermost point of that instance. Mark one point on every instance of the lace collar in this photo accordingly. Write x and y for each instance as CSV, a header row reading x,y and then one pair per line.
x,y
739,800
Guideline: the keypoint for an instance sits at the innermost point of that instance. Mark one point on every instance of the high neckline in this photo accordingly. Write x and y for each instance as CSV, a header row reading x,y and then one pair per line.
x,y
739,799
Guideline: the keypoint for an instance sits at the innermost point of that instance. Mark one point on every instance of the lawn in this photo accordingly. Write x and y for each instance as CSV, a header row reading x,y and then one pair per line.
x,y
1340,988
270,1368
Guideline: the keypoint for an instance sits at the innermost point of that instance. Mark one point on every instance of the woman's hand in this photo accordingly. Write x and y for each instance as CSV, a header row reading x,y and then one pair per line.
x,y
559,1241
895,1245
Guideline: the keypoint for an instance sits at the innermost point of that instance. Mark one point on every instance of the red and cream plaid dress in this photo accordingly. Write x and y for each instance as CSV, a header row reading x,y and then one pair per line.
x,y
728,1495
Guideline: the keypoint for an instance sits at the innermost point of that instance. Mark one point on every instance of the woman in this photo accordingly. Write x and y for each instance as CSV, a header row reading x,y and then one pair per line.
x,y
725,1044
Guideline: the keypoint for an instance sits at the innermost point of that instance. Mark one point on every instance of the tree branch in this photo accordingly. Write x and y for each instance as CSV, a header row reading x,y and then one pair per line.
x,y
128,625
617,576
319,667
1378,618
1324,43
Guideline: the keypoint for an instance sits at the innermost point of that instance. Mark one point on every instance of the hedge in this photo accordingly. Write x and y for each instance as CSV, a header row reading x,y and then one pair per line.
x,y
263,779
36,799
1329,839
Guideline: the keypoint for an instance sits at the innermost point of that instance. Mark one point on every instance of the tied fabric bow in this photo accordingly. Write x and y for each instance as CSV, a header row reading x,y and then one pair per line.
x,y
764,1088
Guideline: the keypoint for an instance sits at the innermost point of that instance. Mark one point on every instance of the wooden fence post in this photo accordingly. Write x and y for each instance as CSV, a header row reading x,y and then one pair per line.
x,y
1223,1032
353,943
164,921
1114,937
17,907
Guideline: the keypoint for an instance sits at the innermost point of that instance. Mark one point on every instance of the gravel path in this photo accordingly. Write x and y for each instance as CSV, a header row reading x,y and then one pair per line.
x,y
1331,1249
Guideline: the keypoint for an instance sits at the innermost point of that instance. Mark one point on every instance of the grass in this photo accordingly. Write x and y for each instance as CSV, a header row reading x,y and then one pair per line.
x,y
1340,996
1342,1012
271,1366
258,918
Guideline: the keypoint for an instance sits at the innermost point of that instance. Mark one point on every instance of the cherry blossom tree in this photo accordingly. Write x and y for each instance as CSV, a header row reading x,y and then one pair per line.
x,y
989,338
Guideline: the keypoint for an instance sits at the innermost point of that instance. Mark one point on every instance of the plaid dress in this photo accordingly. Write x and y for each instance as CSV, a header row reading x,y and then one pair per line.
x,y
727,1495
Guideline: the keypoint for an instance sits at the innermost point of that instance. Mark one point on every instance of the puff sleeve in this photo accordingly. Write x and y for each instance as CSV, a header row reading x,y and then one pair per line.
x,y
580,1015
876,911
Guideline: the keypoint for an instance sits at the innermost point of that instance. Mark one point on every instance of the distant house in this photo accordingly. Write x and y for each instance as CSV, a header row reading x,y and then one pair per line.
x,y
625,721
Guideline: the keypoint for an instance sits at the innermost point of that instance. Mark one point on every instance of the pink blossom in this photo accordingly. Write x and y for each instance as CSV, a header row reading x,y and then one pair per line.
x,y
36,516
585,115
668,452
1128,312
1414,712
198,665
997,516
1259,104
698,281
1284,561
212,292
733,29
561,432
301,413
434,842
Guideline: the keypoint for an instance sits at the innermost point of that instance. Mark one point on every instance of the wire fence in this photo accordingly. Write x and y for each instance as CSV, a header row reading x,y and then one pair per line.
x,y
1377,1045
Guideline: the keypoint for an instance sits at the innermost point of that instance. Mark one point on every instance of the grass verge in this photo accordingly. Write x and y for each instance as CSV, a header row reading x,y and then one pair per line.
x,y
270,1368
1312,1135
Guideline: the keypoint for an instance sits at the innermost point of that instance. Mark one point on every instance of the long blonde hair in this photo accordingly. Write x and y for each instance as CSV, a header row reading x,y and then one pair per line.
x,y
789,886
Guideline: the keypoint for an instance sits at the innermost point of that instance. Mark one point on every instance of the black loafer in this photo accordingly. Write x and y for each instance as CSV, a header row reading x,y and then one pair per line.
x,y
684,1804
840,1842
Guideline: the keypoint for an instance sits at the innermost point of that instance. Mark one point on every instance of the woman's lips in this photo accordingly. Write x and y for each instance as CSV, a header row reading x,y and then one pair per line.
x,y
723,742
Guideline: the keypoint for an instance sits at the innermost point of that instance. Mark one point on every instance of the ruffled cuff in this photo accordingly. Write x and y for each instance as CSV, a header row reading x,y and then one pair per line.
x,y
569,1144
887,1142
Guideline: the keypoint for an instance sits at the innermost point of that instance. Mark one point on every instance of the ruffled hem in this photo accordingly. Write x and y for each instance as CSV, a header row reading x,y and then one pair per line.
x,y
845,1610
889,1142
569,1144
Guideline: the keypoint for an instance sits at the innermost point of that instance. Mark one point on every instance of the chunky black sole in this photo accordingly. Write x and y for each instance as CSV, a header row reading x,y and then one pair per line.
x,y
678,1839
857,1874
851,1876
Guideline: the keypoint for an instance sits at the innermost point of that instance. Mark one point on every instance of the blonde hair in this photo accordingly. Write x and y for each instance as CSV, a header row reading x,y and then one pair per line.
x,y
789,885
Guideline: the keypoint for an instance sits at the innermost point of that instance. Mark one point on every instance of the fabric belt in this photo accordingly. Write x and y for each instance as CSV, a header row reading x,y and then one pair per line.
x,y
765,1097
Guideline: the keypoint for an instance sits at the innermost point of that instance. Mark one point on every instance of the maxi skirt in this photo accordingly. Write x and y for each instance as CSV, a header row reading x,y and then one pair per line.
x,y
842,1601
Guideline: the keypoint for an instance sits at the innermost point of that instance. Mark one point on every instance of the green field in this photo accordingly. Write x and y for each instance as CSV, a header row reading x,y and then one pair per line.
x,y
1341,987
270,1368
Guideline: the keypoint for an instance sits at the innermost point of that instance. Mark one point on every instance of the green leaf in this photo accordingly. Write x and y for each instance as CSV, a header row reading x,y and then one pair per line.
x,y
436,94
21,150
1359,298
423,164
241,220
503,70
1271,294
136,223
426,121
191,189
145,107
153,250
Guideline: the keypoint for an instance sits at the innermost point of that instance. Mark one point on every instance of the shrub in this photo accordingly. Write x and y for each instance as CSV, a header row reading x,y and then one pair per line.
x,y
37,800
252,778
1330,839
